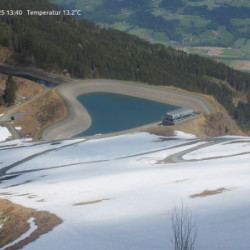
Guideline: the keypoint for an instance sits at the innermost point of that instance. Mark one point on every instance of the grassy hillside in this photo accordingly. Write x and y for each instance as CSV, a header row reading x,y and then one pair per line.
x,y
85,50
180,23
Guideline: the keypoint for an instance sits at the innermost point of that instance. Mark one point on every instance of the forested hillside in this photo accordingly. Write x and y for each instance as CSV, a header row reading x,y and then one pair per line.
x,y
85,50
191,22
196,26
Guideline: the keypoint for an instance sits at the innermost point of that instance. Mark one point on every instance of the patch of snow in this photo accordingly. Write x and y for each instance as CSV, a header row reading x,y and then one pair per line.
x,y
111,194
32,228
183,135
4,134
18,128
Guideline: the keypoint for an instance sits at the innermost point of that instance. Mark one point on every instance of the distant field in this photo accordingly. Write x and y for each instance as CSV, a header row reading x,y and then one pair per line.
x,y
235,58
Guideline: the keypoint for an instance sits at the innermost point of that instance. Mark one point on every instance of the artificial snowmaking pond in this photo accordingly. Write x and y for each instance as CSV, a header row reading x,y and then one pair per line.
x,y
114,112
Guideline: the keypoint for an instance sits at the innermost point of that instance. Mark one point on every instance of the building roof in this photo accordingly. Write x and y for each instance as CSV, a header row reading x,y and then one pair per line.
x,y
175,114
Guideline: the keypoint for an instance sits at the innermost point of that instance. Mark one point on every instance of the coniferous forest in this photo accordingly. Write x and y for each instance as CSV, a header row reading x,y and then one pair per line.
x,y
86,50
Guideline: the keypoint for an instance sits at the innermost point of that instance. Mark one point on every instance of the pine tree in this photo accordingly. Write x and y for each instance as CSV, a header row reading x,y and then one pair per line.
x,y
10,90
2,101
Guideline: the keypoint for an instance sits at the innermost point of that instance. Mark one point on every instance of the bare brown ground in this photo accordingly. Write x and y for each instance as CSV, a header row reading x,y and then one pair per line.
x,y
5,54
216,124
41,113
243,65
209,192
212,51
242,98
27,88
14,219
24,88
159,130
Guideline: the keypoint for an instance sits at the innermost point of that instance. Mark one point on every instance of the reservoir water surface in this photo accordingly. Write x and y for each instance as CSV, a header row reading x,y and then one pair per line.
x,y
113,112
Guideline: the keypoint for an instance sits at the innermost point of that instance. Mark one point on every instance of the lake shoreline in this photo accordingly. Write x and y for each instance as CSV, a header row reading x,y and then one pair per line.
x,y
78,119
112,113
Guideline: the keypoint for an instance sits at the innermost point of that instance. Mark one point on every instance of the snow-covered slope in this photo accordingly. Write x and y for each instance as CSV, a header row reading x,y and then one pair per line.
x,y
118,192
4,134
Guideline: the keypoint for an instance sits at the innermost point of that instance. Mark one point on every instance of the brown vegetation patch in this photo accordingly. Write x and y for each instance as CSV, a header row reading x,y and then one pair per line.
x,y
195,127
5,54
14,219
41,113
209,192
166,160
48,112
220,123
159,130
29,126
27,88
24,89
89,202
241,97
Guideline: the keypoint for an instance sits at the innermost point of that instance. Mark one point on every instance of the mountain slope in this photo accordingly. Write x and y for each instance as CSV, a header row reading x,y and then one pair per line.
x,y
181,23
119,192
186,22
88,51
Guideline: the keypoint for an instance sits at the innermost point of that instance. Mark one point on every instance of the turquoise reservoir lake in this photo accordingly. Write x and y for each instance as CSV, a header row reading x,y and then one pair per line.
x,y
113,112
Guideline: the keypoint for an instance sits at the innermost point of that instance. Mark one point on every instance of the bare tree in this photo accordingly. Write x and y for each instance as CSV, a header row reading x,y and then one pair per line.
x,y
184,229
